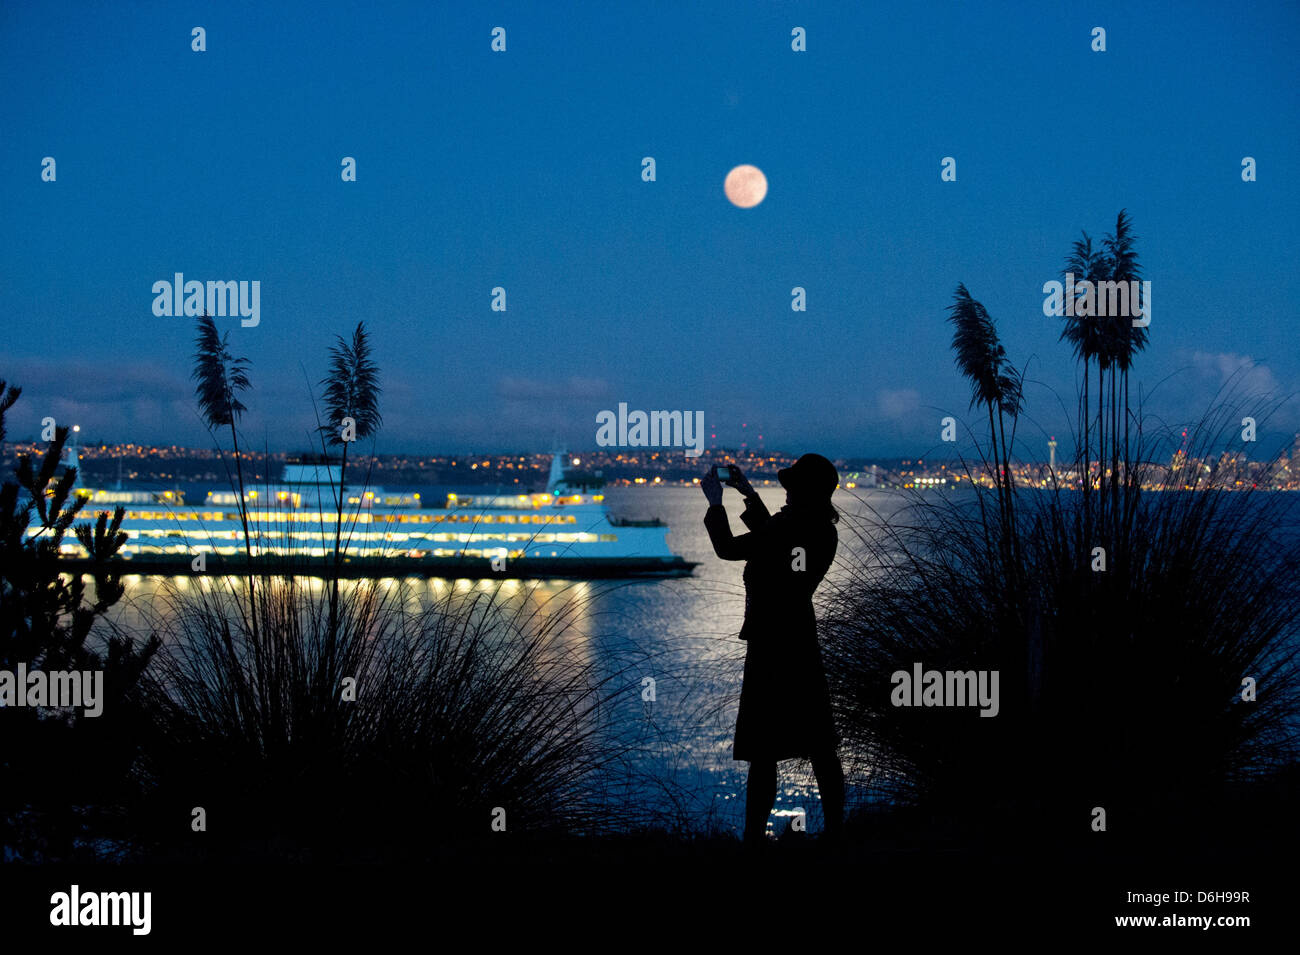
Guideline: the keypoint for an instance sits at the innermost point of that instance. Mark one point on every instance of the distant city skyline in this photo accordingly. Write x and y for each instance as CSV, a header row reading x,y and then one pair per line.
x,y
105,465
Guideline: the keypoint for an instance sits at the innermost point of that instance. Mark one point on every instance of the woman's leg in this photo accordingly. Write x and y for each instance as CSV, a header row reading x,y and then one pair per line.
x,y
830,781
760,794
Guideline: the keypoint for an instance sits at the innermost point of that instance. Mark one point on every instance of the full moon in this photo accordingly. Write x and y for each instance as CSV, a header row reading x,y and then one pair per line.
x,y
745,186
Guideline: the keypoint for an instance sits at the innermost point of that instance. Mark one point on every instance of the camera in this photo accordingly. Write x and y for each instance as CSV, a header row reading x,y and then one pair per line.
x,y
724,474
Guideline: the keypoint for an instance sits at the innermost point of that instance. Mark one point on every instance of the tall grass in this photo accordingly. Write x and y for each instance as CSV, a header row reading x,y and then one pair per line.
x,y
291,720
468,705
1121,688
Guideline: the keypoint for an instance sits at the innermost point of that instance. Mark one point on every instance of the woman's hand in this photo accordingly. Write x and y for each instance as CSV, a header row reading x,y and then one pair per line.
x,y
712,487
740,482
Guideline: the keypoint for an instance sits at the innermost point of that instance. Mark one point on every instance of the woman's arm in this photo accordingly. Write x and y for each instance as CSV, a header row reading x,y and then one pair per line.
x,y
725,544
756,513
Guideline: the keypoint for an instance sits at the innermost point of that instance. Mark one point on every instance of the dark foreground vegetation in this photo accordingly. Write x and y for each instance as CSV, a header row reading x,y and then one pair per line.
x,y
1146,641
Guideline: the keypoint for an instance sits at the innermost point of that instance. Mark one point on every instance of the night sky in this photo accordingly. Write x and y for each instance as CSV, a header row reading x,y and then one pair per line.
x,y
522,170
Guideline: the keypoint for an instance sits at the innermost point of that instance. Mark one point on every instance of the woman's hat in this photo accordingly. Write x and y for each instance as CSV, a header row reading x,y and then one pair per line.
x,y
811,474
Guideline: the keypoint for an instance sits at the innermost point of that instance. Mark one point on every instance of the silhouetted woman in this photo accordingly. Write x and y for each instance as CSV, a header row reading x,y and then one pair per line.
x,y
785,709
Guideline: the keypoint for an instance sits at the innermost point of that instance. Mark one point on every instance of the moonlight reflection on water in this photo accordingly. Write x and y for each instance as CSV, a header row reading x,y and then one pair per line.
x,y
681,633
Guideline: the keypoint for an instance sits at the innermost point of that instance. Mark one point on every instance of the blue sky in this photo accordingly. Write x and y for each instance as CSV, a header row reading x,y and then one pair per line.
x,y
523,170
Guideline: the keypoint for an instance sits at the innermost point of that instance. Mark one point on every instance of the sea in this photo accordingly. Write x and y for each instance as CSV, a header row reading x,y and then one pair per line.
x,y
671,647
673,644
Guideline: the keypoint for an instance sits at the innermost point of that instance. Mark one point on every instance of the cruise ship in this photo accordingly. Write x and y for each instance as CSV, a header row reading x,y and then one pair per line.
x,y
564,532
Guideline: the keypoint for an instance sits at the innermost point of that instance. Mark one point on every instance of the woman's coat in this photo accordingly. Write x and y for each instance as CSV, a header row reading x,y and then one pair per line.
x,y
785,710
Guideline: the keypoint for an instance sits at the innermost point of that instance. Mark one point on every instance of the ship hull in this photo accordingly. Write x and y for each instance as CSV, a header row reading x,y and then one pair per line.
x,y
450,568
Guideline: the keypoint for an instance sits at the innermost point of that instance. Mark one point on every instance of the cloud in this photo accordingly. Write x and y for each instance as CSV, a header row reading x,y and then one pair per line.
x,y
573,388
97,382
894,404
1240,373
110,400
1208,382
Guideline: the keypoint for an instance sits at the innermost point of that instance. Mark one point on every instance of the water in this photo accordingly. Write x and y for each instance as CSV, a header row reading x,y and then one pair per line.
x,y
680,632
